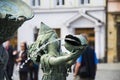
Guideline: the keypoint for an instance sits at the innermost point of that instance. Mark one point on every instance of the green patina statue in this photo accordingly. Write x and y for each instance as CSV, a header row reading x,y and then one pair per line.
x,y
12,15
55,63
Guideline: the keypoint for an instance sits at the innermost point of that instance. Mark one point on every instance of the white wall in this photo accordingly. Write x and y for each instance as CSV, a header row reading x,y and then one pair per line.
x,y
54,20
68,3
64,19
100,14
25,34
45,3
99,2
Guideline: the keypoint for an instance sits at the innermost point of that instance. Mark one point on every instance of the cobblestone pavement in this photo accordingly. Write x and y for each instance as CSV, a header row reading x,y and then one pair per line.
x,y
104,72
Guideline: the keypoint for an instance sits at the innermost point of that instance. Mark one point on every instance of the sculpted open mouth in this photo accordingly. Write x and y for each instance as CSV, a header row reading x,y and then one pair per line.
x,y
73,40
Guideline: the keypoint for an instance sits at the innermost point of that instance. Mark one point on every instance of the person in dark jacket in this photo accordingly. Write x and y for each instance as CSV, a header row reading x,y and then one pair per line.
x,y
33,70
3,63
87,62
22,56
10,64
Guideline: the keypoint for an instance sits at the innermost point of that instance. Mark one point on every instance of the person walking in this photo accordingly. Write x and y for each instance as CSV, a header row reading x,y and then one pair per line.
x,y
10,64
33,70
86,65
16,66
22,56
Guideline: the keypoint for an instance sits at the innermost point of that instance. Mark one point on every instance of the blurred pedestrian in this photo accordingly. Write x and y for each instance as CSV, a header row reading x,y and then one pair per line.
x,y
16,67
10,64
33,70
3,62
86,65
22,56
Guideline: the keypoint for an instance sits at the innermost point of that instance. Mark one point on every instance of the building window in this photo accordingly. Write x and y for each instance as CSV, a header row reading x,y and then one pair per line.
x,y
118,41
60,2
35,2
36,30
58,31
38,2
89,32
84,1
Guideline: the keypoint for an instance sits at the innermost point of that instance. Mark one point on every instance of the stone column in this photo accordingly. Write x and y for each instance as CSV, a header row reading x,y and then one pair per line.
x,y
97,42
102,35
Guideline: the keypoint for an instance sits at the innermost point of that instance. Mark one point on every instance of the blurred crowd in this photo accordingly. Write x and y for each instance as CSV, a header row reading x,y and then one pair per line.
x,y
14,69
85,66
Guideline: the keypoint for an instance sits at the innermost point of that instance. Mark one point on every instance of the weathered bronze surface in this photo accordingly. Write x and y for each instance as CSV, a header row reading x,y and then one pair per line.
x,y
12,15
55,63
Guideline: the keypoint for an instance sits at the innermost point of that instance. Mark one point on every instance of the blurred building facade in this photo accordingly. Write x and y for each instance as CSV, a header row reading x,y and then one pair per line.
x,y
68,17
113,31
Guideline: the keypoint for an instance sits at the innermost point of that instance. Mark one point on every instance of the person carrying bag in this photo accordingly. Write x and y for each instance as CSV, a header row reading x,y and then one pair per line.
x,y
86,65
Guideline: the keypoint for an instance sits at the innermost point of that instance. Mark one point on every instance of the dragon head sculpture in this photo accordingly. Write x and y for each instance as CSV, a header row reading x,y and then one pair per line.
x,y
75,42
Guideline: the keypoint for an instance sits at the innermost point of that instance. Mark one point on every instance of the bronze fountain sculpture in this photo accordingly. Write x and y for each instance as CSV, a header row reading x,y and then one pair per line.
x,y
55,63
13,13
